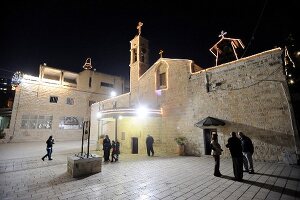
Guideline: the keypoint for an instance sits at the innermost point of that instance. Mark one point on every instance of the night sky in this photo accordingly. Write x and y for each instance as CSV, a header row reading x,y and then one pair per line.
x,y
64,33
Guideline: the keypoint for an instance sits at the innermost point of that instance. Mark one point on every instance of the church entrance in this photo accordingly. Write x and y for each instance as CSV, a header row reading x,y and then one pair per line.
x,y
207,139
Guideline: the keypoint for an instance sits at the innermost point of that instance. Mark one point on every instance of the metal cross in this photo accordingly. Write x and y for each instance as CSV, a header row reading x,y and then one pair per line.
x,y
222,34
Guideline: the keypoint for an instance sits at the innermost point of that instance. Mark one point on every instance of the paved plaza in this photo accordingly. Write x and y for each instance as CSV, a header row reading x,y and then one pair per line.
x,y
23,175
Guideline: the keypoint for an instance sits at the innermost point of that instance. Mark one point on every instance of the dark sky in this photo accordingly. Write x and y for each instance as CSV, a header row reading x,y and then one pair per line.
x,y
64,33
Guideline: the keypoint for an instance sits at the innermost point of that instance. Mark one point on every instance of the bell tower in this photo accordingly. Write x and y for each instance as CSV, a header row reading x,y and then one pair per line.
x,y
139,57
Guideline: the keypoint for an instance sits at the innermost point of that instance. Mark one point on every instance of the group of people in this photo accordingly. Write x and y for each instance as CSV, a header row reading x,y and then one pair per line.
x,y
107,146
114,146
241,150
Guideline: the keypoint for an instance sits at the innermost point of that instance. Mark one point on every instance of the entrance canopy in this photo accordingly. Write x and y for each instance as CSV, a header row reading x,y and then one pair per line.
x,y
210,121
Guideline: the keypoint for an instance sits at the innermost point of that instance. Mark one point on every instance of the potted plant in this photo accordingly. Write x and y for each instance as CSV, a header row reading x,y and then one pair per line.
x,y
180,144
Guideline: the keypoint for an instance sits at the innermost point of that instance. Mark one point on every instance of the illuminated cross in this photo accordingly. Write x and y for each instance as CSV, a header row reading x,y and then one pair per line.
x,y
222,34
160,53
139,27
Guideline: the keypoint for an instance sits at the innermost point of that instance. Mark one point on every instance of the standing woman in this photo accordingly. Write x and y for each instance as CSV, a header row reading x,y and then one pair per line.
x,y
49,143
216,151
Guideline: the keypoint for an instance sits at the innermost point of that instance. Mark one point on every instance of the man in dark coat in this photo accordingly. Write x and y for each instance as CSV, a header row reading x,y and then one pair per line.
x,y
235,147
248,151
149,145
106,148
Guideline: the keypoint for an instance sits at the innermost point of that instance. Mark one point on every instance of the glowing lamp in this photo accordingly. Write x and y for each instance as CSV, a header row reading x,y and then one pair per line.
x,y
113,94
99,115
142,111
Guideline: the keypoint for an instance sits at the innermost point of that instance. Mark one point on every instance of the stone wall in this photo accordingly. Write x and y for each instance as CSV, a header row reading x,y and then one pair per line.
x,y
249,94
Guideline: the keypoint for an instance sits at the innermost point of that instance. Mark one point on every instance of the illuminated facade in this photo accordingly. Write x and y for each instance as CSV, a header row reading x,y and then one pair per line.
x,y
248,94
57,102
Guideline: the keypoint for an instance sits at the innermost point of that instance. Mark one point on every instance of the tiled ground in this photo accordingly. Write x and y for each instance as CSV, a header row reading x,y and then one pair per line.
x,y
143,177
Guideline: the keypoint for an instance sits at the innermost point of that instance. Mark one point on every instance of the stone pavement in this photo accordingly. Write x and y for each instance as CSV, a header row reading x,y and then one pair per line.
x,y
23,175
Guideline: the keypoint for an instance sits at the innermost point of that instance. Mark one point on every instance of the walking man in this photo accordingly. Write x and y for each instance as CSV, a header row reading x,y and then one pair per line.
x,y
248,151
49,143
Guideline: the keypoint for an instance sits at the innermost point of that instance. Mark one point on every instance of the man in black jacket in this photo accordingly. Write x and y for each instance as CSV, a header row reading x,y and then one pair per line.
x,y
49,143
235,147
248,151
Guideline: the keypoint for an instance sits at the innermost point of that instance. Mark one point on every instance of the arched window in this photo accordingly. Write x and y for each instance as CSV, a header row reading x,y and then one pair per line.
x,y
161,77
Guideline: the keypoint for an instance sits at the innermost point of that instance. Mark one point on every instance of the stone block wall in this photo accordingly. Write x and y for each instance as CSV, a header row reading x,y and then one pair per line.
x,y
249,94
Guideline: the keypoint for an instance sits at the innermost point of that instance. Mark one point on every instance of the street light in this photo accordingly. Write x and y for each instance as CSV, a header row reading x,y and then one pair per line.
x,y
113,94
142,111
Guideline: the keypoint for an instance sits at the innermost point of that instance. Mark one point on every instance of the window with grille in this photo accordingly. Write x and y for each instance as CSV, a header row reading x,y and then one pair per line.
x,y
53,99
36,122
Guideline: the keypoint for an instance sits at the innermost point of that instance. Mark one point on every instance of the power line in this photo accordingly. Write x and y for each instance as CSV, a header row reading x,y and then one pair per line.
x,y
255,29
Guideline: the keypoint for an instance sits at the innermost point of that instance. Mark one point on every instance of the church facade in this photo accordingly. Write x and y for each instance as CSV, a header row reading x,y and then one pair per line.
x,y
248,94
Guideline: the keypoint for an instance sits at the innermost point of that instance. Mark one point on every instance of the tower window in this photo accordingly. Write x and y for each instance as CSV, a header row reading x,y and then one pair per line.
x,y
134,55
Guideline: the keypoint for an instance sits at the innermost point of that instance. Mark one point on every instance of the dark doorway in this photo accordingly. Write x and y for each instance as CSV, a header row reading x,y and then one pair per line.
x,y
207,138
134,145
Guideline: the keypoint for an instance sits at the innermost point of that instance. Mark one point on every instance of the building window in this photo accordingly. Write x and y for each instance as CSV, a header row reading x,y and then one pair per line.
x,y
91,102
70,101
103,84
90,82
134,55
69,80
161,77
45,122
162,80
123,136
36,122
70,122
53,99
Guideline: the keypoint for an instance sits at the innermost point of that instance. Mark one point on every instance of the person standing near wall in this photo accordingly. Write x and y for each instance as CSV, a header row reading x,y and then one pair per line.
x,y
106,148
216,152
49,143
149,145
248,151
235,147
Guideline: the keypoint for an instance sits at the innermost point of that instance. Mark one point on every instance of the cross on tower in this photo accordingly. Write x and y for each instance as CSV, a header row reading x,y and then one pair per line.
x,y
222,34
139,27
160,53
